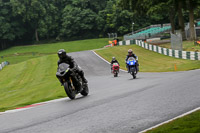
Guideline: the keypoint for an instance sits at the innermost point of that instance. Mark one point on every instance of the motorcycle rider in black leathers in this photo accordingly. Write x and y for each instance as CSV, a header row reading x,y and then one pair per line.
x,y
114,60
64,58
131,54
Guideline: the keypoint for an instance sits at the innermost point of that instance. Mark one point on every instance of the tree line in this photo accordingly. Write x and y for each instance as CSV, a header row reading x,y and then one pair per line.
x,y
177,12
28,21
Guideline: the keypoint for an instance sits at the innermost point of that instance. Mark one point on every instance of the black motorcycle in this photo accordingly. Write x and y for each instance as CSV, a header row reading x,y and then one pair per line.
x,y
71,81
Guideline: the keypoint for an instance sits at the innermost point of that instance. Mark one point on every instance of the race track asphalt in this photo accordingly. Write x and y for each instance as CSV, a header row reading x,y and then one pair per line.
x,y
114,105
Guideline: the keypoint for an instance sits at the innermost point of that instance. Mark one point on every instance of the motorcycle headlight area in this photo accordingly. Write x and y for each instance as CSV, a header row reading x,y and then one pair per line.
x,y
67,70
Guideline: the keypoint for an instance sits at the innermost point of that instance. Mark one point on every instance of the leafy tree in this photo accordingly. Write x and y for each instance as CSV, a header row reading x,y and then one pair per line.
x,y
122,21
162,10
180,17
32,12
9,27
48,26
77,20
192,6
114,19
29,20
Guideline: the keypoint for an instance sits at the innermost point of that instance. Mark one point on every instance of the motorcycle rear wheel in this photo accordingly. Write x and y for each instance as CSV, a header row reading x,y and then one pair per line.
x,y
71,93
115,74
85,90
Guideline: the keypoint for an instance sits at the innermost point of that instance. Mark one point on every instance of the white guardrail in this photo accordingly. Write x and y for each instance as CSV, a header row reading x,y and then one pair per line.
x,y
3,64
165,51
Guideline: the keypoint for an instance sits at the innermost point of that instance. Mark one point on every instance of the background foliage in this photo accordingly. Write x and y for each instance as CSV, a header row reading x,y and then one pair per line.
x,y
30,21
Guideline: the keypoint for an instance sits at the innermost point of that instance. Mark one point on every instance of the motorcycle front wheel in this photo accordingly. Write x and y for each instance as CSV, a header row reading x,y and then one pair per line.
x,y
115,74
133,73
71,92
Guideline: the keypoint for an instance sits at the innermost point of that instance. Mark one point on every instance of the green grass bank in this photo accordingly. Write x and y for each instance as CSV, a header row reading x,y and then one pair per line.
x,y
22,53
29,82
186,124
149,61
187,46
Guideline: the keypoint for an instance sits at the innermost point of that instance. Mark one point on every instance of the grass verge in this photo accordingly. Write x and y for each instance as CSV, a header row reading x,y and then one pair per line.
x,y
186,124
149,61
22,53
29,82
187,46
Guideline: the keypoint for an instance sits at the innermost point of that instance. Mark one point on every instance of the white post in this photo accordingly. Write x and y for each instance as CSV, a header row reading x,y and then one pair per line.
x,y
132,26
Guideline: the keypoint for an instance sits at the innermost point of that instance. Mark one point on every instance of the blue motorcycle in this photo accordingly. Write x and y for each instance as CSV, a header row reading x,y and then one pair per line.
x,y
131,64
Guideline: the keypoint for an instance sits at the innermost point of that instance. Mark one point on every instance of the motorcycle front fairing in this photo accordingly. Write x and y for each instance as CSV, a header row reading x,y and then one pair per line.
x,y
115,66
131,61
63,72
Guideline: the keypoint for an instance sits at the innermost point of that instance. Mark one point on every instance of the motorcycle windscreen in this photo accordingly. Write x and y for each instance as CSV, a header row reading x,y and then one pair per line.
x,y
115,64
63,67
131,61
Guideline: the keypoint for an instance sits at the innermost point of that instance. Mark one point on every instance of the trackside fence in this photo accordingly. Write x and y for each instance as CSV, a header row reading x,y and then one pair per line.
x,y
3,64
165,51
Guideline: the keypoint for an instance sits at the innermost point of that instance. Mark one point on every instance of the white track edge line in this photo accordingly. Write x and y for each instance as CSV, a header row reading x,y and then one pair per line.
x,y
105,60
100,57
17,110
187,113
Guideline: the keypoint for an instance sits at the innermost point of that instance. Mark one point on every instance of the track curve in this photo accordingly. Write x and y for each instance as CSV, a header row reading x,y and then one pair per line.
x,y
119,104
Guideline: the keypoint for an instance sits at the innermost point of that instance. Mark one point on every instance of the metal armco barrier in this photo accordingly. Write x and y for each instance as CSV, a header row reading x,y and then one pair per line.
x,y
165,51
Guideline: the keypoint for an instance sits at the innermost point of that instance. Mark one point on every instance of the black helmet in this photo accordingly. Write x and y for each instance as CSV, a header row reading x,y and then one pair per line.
x,y
61,53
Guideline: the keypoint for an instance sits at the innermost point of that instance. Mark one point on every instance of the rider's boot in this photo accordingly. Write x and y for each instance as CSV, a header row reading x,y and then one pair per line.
x,y
81,73
128,70
84,80
137,67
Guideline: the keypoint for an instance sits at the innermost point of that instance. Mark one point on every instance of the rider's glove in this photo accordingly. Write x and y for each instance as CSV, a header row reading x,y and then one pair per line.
x,y
73,69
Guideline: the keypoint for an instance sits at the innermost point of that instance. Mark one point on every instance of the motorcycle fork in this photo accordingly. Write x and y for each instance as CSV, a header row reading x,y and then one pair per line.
x,y
70,79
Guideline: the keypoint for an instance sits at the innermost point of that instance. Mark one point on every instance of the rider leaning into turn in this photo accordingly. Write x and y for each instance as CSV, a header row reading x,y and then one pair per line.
x,y
64,58
131,54
114,60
